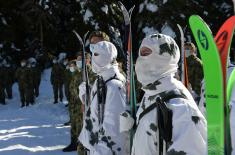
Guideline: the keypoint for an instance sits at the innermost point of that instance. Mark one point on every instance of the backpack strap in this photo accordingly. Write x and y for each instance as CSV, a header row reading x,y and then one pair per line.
x,y
165,97
110,79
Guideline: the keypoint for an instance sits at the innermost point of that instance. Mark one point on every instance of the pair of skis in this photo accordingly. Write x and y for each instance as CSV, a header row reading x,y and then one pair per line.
x,y
85,78
130,80
214,54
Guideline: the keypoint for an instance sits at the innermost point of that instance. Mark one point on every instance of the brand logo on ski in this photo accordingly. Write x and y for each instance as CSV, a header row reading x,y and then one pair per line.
x,y
203,39
221,40
212,96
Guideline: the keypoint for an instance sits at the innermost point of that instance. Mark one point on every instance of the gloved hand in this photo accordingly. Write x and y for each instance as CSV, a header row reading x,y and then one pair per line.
x,y
82,92
126,121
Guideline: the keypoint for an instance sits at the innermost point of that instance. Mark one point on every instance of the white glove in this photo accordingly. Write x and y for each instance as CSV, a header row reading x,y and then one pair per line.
x,y
82,91
126,121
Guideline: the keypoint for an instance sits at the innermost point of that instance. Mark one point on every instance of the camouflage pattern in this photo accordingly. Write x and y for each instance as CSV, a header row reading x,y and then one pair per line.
x,y
25,82
67,79
91,75
75,104
195,73
2,81
57,79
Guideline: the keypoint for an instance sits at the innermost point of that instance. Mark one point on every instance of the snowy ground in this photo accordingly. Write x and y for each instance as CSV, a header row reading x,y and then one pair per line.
x,y
34,130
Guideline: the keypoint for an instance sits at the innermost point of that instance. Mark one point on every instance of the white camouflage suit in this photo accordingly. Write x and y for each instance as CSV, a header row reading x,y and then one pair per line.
x,y
111,142
155,72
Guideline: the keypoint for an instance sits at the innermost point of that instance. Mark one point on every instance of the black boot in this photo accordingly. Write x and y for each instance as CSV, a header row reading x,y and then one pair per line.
x,y
22,105
71,147
67,123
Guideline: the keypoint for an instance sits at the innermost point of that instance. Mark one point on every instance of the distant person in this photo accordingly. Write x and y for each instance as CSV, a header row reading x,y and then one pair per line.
x,y
25,82
195,69
2,81
74,105
57,79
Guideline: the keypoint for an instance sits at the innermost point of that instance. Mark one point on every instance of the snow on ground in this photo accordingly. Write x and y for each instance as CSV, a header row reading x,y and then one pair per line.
x,y
37,129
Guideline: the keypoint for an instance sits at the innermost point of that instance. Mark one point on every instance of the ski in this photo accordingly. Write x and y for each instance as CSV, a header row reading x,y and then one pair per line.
x,y
223,41
230,85
130,81
84,67
129,68
85,78
184,69
213,84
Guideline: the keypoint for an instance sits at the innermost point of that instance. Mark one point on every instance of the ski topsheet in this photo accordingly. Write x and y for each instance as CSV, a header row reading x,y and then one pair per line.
x,y
223,41
213,84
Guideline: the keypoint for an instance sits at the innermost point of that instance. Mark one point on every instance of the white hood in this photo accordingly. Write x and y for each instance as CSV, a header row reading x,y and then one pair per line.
x,y
163,60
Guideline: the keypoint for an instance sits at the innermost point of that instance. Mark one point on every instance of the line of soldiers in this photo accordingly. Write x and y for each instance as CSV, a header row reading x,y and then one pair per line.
x,y
68,75
28,76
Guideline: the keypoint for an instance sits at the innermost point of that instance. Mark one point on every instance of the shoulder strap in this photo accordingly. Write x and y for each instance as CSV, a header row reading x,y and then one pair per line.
x,y
105,82
165,96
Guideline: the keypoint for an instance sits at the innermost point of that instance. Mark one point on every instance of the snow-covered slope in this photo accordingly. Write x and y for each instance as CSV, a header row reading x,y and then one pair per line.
x,y
37,129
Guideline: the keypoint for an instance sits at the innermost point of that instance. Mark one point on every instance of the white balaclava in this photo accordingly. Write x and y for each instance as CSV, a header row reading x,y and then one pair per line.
x,y
104,55
161,62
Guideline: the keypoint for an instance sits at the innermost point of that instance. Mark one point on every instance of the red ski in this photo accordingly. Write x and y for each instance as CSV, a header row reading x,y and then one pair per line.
x,y
223,41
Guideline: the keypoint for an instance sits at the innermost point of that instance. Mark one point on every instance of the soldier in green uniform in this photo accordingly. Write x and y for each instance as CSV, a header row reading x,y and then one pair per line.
x,y
57,79
29,86
67,78
75,104
2,80
9,80
36,75
24,78
195,70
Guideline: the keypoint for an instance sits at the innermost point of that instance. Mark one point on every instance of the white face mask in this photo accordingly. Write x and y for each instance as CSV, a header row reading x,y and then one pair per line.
x,y
187,53
79,64
91,47
72,69
160,62
65,62
54,61
23,64
102,57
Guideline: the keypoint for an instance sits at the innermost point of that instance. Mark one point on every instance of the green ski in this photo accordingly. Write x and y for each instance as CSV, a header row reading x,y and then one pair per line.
x,y
230,85
213,84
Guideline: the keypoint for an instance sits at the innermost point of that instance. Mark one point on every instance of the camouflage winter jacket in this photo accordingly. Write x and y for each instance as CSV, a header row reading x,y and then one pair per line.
x,y
195,72
24,77
76,79
57,74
